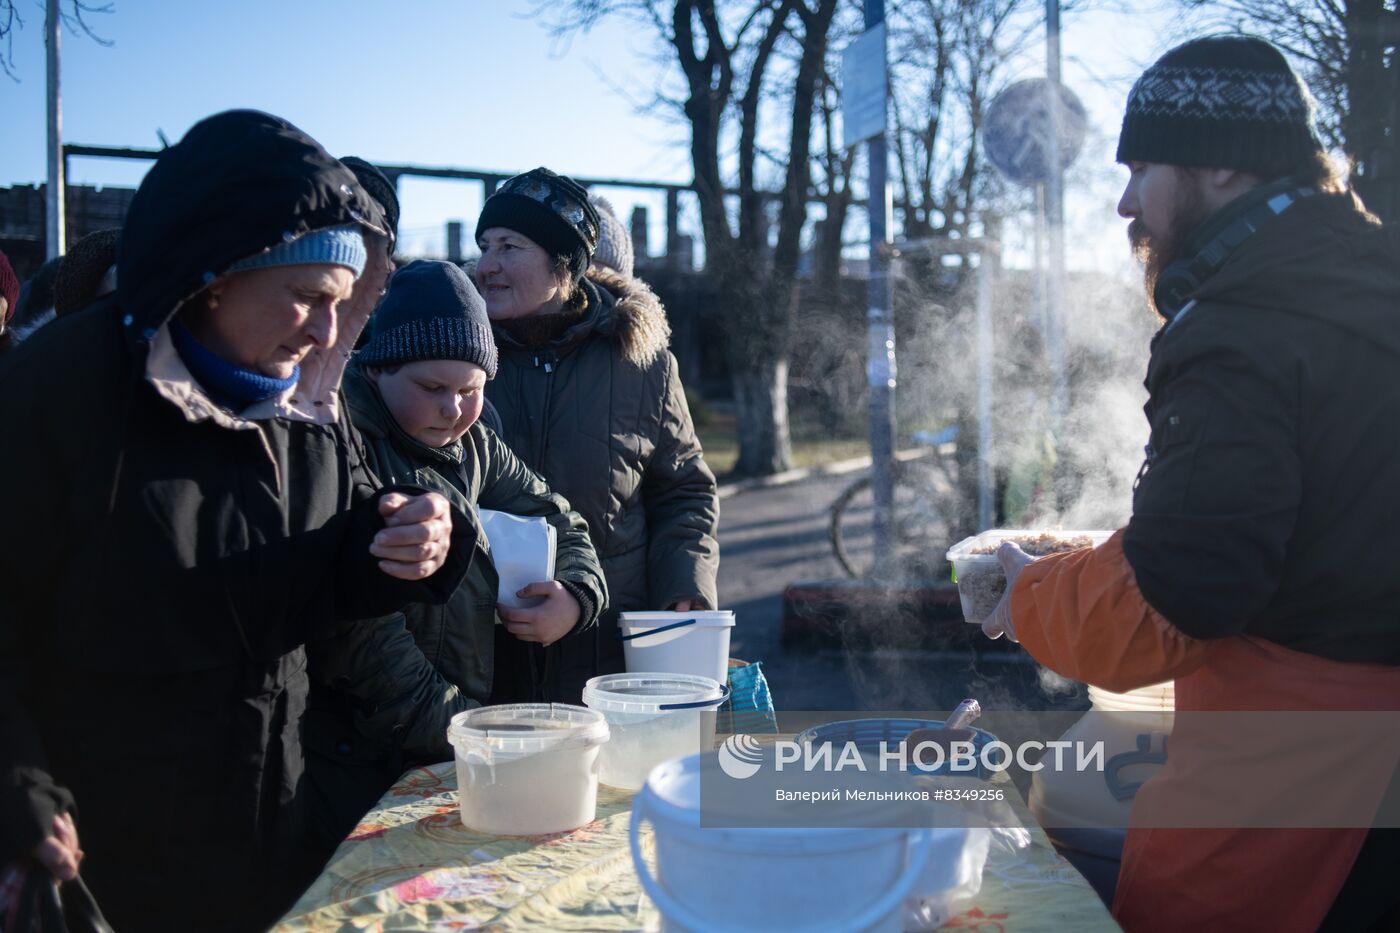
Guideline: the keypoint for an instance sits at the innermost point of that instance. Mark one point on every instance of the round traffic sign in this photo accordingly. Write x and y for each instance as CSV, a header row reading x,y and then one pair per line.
x,y
1017,128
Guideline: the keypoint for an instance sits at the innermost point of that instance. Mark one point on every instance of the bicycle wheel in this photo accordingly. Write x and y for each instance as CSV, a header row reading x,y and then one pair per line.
x,y
923,499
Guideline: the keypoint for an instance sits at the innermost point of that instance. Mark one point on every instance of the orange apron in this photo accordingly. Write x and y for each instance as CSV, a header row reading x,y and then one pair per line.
x,y
1082,615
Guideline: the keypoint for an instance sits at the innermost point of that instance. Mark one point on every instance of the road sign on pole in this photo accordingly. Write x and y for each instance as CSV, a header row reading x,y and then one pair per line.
x,y
863,86
1019,125
864,94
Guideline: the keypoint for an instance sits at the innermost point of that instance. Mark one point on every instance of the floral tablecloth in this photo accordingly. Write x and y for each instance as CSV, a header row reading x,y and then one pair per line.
x,y
411,865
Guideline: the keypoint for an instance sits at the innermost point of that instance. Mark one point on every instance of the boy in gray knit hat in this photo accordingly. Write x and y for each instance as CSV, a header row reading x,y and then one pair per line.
x,y
383,691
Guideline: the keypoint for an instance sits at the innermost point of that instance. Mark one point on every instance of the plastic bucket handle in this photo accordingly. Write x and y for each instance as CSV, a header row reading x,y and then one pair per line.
x,y
724,692
888,902
656,631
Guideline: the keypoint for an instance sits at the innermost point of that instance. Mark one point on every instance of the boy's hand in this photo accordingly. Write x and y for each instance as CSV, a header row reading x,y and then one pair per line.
x,y
547,622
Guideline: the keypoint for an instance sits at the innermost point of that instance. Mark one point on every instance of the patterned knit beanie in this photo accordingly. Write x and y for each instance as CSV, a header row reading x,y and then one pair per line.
x,y
431,312
553,210
1221,102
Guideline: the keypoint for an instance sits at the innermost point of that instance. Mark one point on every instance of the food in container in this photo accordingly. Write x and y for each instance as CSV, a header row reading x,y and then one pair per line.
x,y
980,578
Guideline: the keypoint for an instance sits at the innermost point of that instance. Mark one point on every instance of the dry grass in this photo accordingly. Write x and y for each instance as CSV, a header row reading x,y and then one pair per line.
x,y
809,449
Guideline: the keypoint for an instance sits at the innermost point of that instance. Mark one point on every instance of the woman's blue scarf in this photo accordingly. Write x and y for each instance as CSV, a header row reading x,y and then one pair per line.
x,y
227,385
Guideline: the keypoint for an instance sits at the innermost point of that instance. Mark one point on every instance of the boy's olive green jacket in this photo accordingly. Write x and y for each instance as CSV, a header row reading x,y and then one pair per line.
x,y
383,691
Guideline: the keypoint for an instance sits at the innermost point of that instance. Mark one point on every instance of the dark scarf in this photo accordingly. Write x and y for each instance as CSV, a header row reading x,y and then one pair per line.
x,y
229,386
537,331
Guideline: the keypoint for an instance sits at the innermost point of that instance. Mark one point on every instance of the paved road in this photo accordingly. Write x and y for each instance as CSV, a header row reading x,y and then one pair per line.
x,y
776,536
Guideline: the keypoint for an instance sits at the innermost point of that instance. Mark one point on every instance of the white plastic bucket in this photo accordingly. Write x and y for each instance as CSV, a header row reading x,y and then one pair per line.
x,y
651,717
1086,814
678,642
711,880
527,769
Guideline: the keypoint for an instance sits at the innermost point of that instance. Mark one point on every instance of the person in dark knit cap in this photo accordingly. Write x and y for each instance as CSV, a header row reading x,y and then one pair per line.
x,y
378,186
573,340
383,691
88,272
1254,571
370,288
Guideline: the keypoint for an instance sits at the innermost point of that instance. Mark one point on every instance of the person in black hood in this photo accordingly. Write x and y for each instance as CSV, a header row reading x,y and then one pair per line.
x,y
193,507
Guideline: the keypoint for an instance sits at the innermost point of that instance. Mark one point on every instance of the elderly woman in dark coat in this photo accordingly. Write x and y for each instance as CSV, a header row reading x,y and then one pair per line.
x,y
186,507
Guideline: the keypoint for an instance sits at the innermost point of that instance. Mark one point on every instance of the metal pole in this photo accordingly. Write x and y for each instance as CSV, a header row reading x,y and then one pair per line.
x,y
880,363
1039,281
1055,222
54,228
986,483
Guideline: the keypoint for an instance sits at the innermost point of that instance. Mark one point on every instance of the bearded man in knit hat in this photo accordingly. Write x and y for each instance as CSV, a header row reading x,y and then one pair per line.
x,y
1249,572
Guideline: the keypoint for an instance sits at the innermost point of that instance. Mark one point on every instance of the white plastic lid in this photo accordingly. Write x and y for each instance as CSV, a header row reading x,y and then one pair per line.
x,y
518,729
705,618
648,693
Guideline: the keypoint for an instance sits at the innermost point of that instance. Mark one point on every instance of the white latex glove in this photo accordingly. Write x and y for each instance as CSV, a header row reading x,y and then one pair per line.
x,y
1013,560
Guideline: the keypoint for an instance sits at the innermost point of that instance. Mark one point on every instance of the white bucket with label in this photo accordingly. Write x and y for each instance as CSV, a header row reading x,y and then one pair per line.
x,y
652,717
527,769
716,880
1086,814
678,642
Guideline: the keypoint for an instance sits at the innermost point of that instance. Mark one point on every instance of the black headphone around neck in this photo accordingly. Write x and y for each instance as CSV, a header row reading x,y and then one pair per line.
x,y
1180,280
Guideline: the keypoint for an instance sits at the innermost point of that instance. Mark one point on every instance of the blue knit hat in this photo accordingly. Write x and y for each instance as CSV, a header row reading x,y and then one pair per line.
x,y
432,312
339,246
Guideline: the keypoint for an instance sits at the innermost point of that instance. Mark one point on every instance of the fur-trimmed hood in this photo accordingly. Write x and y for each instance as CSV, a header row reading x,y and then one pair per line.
x,y
632,315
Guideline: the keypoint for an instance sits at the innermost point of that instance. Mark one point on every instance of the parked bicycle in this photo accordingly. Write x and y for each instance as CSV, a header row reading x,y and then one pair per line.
x,y
925,507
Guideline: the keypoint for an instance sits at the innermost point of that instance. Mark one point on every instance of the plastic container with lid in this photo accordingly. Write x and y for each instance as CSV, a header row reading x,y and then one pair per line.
x,y
978,574
678,642
651,717
853,877
527,769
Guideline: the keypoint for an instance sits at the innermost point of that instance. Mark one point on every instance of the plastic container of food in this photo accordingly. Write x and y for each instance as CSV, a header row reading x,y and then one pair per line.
x,y
651,718
978,574
527,769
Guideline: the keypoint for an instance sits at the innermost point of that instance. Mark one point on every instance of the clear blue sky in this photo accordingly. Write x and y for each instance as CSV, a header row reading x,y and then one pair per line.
x,y
473,83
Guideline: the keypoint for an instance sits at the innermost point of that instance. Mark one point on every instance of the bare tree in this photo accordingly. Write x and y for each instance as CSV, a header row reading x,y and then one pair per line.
x,y
1348,52
741,65
74,13
945,69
